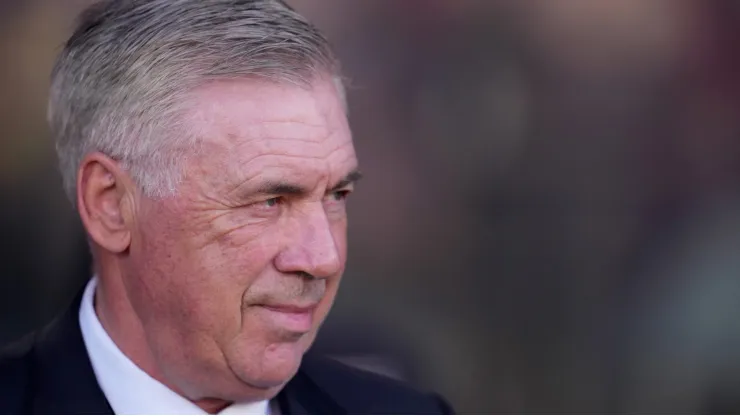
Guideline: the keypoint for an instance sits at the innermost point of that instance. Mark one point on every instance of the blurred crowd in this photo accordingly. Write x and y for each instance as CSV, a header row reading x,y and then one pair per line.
x,y
550,218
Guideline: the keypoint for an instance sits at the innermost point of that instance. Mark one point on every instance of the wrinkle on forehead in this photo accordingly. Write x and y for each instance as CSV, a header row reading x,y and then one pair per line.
x,y
226,112
249,125
245,106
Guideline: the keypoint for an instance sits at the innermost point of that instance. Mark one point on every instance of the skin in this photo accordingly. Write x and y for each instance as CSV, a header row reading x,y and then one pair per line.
x,y
196,289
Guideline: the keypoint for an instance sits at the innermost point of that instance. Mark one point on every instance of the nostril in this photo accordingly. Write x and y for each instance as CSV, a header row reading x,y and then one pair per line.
x,y
306,275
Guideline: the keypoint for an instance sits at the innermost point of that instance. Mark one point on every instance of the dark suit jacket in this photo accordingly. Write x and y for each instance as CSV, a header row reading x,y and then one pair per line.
x,y
49,372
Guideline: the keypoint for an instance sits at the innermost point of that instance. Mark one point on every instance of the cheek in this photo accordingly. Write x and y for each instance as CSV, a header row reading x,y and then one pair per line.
x,y
339,232
194,283
220,273
154,268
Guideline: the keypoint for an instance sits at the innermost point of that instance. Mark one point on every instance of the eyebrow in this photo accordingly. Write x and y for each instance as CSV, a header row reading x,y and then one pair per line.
x,y
273,188
351,177
280,188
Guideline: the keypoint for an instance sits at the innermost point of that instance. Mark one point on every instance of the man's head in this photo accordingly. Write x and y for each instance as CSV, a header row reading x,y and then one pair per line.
x,y
206,147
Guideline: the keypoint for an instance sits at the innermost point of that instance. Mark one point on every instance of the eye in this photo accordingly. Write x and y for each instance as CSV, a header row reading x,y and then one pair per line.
x,y
340,195
267,205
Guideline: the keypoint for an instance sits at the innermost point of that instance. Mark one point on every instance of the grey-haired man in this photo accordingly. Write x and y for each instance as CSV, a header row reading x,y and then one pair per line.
x,y
206,148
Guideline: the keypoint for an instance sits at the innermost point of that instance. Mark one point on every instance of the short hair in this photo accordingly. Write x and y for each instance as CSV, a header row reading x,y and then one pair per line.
x,y
118,83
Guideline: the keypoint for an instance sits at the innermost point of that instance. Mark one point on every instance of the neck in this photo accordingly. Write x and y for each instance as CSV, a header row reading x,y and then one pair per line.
x,y
123,325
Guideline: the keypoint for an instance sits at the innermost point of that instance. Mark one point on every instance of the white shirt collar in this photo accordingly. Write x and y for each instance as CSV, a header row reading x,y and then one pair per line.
x,y
129,389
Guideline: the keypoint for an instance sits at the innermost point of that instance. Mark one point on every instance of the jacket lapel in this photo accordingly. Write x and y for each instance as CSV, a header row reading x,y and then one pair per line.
x,y
65,380
301,396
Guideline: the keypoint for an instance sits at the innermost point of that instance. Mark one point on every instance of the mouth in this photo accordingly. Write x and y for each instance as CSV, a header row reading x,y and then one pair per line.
x,y
293,318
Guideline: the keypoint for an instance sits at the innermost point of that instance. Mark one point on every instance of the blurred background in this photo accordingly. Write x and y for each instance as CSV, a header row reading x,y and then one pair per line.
x,y
550,220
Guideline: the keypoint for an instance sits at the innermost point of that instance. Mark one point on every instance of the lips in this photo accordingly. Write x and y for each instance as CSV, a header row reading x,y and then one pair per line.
x,y
290,308
293,318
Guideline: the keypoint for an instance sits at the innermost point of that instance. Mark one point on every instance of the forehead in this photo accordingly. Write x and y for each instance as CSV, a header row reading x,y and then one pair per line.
x,y
250,126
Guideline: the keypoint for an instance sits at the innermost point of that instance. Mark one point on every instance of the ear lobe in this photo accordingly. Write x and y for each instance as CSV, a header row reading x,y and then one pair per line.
x,y
103,196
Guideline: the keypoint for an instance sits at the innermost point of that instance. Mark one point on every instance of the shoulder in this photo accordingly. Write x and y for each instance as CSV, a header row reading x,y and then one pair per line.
x,y
361,391
15,375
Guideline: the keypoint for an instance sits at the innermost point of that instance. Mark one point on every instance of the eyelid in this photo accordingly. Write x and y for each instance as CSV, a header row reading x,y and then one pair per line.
x,y
344,191
339,195
346,188
263,200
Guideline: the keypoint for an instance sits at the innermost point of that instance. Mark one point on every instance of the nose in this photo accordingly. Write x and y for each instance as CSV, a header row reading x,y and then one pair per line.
x,y
311,247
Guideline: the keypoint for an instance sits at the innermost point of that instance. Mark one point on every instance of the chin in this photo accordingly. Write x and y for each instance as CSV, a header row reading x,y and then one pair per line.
x,y
271,367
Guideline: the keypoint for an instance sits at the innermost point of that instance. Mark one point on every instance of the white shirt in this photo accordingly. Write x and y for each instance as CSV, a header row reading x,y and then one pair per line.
x,y
128,388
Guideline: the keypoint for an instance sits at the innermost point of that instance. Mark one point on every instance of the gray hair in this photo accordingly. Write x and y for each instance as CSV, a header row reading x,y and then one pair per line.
x,y
119,84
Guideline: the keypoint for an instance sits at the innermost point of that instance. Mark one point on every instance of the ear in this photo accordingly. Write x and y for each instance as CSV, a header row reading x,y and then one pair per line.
x,y
105,202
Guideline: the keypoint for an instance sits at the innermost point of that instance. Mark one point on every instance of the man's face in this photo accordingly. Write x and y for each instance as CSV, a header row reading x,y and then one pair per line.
x,y
233,276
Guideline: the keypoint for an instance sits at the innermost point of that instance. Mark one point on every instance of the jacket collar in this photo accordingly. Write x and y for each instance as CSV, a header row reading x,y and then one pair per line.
x,y
64,377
